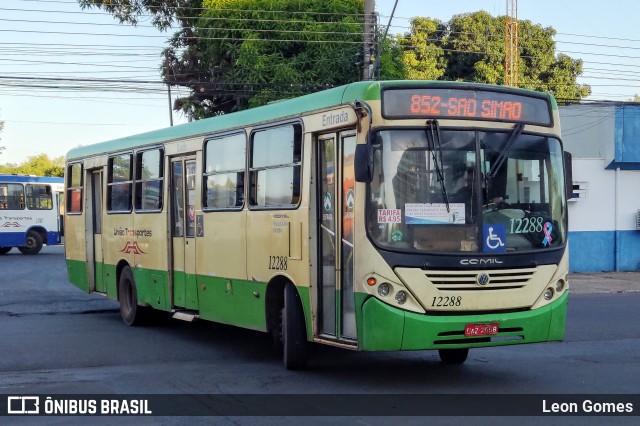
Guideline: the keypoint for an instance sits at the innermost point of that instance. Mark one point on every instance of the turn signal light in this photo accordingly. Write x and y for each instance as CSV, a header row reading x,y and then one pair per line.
x,y
371,281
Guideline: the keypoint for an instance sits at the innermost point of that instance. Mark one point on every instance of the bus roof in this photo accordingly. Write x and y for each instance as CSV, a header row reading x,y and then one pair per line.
x,y
364,91
28,178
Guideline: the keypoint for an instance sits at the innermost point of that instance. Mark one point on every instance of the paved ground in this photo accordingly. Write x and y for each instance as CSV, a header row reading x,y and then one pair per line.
x,y
604,282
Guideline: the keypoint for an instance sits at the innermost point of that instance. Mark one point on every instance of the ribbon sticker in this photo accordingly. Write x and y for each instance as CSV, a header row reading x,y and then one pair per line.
x,y
548,227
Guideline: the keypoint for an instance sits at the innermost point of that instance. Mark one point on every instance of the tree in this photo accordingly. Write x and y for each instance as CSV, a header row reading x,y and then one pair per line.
x,y
471,47
164,13
423,56
38,165
235,54
636,98
390,64
250,52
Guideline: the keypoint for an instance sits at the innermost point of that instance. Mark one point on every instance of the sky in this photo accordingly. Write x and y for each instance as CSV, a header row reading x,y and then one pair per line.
x,y
52,52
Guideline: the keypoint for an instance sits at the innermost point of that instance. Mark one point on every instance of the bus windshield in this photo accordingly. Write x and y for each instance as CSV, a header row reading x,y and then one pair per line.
x,y
481,191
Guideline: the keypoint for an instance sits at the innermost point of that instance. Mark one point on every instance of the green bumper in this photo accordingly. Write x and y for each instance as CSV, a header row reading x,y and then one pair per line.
x,y
385,328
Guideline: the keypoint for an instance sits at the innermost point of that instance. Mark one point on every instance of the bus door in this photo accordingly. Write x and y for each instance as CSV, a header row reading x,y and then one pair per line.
x,y
59,203
95,261
335,195
183,227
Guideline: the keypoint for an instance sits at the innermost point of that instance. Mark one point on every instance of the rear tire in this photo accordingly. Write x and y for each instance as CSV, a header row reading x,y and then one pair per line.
x,y
5,250
131,313
33,243
294,331
453,356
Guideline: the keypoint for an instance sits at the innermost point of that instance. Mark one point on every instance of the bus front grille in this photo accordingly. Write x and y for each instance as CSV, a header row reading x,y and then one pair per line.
x,y
498,279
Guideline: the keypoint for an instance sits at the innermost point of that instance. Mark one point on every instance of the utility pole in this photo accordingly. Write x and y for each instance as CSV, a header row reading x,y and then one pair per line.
x,y
369,39
166,64
511,45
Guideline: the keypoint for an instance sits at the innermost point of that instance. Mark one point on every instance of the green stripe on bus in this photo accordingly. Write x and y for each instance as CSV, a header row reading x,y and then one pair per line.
x,y
77,272
385,328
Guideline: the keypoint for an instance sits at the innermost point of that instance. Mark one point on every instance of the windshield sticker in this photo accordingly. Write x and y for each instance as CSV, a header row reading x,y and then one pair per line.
x,y
494,238
434,213
327,202
389,216
396,236
548,227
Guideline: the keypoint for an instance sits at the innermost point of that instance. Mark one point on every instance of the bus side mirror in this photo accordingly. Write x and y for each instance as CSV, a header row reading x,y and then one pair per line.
x,y
568,175
363,163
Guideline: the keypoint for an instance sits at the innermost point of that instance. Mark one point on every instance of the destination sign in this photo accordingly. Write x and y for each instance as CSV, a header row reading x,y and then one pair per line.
x,y
473,104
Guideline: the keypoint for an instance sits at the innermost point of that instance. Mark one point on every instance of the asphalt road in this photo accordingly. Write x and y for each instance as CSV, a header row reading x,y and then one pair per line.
x,y
56,339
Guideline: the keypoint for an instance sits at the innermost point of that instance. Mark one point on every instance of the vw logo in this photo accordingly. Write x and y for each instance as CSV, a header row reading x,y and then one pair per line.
x,y
483,279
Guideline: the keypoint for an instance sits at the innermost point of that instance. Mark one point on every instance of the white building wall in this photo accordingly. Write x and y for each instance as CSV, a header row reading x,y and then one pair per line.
x,y
602,221
595,209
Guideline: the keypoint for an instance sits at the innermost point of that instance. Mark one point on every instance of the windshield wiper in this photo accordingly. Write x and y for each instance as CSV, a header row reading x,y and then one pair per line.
x,y
433,142
502,156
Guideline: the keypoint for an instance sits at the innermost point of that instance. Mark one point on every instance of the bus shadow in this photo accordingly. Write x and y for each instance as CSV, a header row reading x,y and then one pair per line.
x,y
399,372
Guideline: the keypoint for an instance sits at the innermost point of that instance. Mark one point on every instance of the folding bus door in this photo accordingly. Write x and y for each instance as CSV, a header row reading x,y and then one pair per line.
x,y
183,227
335,195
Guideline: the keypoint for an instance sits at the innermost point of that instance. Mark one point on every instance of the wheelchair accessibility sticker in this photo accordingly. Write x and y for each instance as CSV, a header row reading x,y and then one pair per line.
x,y
494,238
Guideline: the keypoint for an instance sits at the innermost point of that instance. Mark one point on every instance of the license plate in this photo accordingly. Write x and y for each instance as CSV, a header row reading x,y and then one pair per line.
x,y
471,330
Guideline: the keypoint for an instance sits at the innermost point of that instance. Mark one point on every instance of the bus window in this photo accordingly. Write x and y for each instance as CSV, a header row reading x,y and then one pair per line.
x,y
74,188
224,172
149,178
275,166
119,183
11,196
39,197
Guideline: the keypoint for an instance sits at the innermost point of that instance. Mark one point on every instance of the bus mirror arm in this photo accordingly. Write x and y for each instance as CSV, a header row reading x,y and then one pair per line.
x,y
363,162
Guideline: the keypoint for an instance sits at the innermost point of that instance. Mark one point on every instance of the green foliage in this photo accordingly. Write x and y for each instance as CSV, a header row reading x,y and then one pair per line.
x,y
423,56
245,53
163,12
235,54
38,165
392,66
471,47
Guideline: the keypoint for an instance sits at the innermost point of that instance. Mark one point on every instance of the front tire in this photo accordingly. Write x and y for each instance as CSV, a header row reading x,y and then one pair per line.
x,y
294,331
131,313
453,356
33,243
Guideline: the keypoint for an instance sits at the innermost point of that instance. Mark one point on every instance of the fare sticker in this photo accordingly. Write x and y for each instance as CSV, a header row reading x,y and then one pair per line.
x,y
389,216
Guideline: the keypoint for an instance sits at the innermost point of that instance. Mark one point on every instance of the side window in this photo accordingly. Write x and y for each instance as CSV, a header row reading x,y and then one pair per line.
x,y
39,197
11,196
275,166
149,180
74,188
119,183
224,172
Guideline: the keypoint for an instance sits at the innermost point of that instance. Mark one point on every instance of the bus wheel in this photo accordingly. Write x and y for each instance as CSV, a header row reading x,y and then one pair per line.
x,y
33,243
294,331
453,356
5,250
131,313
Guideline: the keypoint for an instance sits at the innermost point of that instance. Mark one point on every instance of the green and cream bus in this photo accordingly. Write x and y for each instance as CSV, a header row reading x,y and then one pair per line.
x,y
377,216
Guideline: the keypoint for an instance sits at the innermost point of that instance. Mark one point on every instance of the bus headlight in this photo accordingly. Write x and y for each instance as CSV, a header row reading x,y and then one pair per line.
x,y
548,294
401,297
384,289
559,286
